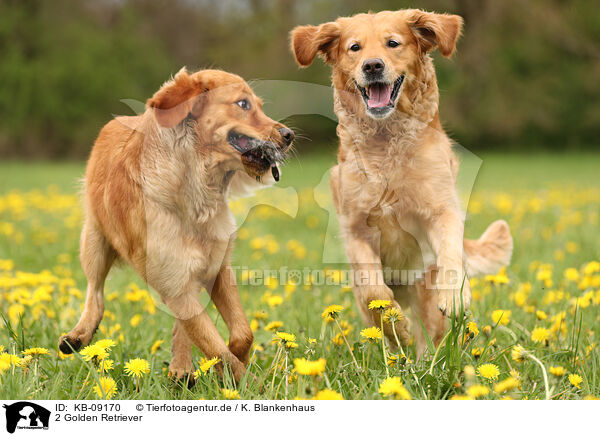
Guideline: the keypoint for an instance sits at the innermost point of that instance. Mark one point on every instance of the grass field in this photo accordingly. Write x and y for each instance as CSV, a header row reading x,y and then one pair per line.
x,y
532,333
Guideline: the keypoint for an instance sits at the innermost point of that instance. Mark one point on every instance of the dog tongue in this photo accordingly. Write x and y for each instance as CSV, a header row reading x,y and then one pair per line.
x,y
379,95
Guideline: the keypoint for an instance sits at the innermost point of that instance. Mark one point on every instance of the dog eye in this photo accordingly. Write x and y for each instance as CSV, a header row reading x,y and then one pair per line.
x,y
355,47
392,43
244,104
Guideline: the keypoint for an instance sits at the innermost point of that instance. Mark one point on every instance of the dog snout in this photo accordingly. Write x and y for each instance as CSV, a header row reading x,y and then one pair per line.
x,y
287,135
373,67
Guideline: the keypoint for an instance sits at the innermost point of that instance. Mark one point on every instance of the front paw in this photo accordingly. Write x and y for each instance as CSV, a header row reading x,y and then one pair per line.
x,y
454,301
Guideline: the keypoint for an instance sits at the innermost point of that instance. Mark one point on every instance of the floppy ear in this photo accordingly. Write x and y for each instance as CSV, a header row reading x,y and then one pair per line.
x,y
307,41
436,30
175,99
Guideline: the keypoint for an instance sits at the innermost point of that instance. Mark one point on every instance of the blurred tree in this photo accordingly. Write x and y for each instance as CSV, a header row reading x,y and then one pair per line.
x,y
525,75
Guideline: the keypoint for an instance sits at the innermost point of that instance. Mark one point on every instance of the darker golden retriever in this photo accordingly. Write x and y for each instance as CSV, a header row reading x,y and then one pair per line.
x,y
156,189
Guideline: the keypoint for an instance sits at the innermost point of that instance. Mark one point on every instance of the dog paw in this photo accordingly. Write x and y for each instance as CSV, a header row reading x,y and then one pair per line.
x,y
182,374
69,343
454,302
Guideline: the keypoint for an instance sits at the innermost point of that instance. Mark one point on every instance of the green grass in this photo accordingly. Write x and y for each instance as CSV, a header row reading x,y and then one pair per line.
x,y
552,203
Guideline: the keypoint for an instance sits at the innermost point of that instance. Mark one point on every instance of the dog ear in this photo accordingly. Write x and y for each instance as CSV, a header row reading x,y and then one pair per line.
x,y
436,30
308,41
174,101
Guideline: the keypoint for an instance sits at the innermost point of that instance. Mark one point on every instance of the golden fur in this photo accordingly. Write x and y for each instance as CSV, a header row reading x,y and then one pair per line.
x,y
394,187
156,188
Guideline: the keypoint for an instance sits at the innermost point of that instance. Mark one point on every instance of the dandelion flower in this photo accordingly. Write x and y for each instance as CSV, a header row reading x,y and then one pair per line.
x,y
331,312
106,388
472,329
518,353
557,371
540,335
107,344
572,274
476,352
36,351
307,367
477,391
230,394
393,387
155,346
326,394
488,371
379,304
392,314
501,317
506,385
371,333
541,315
94,352
137,367
575,380
205,365
273,326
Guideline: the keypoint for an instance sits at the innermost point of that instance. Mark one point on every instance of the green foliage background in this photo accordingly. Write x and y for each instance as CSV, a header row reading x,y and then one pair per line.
x,y
525,75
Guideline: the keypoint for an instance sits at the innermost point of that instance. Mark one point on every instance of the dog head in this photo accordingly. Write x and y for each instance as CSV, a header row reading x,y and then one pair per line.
x,y
227,119
372,55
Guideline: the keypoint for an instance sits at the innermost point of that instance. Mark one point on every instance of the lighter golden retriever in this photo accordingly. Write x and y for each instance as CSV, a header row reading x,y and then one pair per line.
x,y
394,187
156,189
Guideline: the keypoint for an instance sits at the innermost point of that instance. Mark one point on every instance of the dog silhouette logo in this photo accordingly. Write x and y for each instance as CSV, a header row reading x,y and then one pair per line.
x,y
26,415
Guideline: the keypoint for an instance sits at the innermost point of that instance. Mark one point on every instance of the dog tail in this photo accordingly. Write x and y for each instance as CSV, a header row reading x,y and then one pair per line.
x,y
491,251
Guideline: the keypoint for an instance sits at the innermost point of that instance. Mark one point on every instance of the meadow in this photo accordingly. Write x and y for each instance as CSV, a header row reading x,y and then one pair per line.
x,y
532,331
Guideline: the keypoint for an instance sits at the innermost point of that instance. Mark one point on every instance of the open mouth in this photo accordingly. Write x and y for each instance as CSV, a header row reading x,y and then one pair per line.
x,y
380,97
258,156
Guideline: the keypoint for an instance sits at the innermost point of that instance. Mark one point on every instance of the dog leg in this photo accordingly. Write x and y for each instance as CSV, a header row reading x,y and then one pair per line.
x,y
226,297
200,329
424,304
181,353
445,234
369,283
96,258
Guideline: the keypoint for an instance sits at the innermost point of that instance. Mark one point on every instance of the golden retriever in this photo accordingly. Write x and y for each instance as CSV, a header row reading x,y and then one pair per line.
x,y
394,187
156,188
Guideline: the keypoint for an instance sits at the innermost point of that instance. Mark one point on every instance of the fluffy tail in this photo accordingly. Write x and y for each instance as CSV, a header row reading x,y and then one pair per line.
x,y
491,251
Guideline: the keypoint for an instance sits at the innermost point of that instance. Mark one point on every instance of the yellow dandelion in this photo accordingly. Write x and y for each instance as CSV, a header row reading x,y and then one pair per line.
x,y
572,274
557,371
506,385
36,351
379,304
371,333
273,326
106,388
137,367
393,387
477,391
331,312
155,346
106,364
476,352
327,394
518,353
488,371
94,352
392,314
501,317
205,365
575,380
540,335
107,344
541,315
472,329
230,394
307,367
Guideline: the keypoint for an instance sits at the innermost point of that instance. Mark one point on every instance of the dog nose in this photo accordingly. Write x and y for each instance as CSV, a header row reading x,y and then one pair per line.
x,y
287,135
373,66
